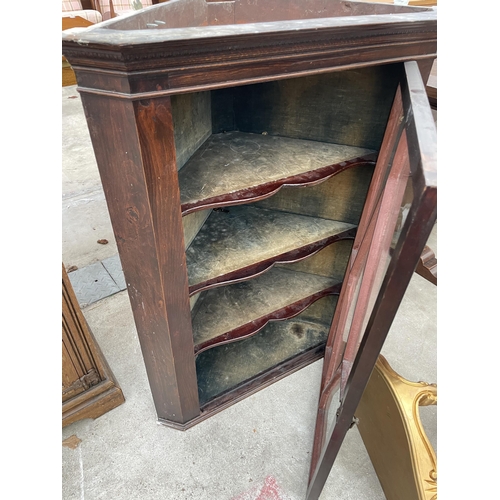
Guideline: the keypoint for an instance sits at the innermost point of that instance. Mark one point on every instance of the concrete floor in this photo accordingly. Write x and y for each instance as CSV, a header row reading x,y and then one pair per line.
x,y
259,449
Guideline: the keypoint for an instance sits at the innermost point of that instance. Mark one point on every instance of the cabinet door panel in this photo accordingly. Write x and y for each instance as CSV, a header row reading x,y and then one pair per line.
x,y
397,219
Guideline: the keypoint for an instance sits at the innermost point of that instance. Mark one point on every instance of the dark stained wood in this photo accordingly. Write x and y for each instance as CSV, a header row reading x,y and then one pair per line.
x,y
144,206
89,388
201,58
421,158
152,96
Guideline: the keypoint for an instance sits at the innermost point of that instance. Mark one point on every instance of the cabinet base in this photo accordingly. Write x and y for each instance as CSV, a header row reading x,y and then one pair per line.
x,y
93,403
249,388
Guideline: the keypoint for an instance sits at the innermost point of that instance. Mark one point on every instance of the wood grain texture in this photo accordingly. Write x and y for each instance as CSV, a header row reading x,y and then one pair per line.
x,y
239,242
234,167
89,388
144,90
111,59
136,159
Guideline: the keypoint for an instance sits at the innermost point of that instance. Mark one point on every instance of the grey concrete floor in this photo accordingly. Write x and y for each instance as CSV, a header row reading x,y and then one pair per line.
x,y
258,449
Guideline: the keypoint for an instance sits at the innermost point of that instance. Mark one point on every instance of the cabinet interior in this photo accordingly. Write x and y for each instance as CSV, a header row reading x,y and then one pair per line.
x,y
273,178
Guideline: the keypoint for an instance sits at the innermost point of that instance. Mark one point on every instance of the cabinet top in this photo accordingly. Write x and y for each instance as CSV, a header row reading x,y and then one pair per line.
x,y
208,44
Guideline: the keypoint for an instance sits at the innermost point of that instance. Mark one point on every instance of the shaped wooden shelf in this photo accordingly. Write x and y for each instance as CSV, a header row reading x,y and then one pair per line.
x,y
240,242
226,368
235,167
229,313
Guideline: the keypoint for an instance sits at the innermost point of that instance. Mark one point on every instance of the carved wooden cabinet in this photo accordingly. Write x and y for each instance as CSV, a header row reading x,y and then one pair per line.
x,y
89,388
236,143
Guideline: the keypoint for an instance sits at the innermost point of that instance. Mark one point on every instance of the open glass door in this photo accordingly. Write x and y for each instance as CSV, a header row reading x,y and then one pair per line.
x,y
399,214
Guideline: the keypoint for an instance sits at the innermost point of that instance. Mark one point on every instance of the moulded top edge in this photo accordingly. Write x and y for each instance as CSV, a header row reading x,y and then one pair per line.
x,y
103,35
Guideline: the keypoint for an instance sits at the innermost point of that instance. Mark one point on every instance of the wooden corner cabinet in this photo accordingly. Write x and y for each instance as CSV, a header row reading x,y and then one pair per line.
x,y
237,143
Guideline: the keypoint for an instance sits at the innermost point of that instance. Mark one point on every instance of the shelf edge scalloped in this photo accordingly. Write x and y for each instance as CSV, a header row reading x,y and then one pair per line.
x,y
261,267
263,191
249,329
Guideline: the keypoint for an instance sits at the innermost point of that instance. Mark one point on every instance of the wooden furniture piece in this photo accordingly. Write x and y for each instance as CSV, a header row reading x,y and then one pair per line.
x,y
89,388
389,424
386,252
68,75
236,143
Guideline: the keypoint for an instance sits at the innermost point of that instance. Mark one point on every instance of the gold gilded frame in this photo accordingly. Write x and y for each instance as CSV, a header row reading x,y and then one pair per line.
x,y
391,429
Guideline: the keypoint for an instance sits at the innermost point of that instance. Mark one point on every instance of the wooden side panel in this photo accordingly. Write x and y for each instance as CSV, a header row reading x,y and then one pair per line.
x,y
346,107
135,153
192,224
192,123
